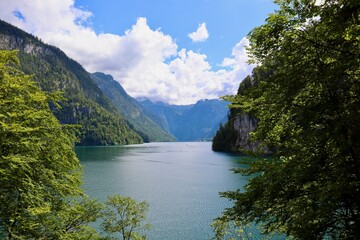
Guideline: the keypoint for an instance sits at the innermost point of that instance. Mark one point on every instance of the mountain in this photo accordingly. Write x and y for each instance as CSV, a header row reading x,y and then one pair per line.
x,y
194,122
131,109
85,105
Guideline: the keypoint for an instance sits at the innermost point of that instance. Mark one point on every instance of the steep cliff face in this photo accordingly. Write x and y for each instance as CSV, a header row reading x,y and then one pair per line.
x,y
234,136
244,124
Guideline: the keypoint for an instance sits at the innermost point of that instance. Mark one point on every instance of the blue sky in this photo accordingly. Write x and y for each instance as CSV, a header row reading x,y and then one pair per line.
x,y
227,21
175,51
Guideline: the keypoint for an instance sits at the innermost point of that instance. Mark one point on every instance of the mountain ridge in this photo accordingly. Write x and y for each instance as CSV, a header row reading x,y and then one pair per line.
x,y
131,109
85,104
194,122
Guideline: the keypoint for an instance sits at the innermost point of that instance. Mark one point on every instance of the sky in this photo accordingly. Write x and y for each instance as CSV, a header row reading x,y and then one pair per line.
x,y
174,51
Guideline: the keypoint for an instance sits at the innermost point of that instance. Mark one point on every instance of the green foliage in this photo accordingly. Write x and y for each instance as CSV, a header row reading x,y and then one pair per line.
x,y
97,126
39,170
70,221
125,216
230,230
38,167
225,138
83,104
309,114
225,228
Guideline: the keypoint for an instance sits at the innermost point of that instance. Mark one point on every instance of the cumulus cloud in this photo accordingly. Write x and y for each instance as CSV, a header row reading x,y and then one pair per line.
x,y
200,35
146,62
319,2
238,61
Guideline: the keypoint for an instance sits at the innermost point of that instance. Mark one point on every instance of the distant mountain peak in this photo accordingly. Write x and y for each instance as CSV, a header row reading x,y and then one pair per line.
x,y
192,122
142,99
104,76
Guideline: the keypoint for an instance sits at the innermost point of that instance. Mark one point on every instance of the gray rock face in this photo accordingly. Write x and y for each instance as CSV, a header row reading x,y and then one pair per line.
x,y
15,43
244,124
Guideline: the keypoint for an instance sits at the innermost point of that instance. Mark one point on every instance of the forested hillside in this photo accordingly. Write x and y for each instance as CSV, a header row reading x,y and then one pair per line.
x,y
131,109
99,121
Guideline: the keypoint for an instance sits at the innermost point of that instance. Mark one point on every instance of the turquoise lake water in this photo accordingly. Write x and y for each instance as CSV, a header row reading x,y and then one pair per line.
x,y
180,181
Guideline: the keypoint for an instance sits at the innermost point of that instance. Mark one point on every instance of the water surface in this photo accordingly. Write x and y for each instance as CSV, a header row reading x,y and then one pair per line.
x,y
180,181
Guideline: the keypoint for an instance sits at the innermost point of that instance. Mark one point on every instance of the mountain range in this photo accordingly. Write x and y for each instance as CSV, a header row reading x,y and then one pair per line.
x,y
103,111
85,105
131,109
196,122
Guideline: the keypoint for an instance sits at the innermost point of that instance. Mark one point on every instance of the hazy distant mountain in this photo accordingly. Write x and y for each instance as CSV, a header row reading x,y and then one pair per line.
x,y
131,109
85,104
194,122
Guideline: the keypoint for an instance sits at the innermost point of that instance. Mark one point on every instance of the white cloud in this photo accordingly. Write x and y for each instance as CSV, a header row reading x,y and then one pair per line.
x,y
239,59
146,62
200,35
319,2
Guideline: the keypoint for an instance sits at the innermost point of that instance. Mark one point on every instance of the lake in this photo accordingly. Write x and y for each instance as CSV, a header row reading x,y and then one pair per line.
x,y
181,182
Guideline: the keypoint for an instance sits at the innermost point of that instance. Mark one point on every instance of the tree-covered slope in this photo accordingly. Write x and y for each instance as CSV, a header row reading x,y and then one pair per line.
x,y
85,104
131,109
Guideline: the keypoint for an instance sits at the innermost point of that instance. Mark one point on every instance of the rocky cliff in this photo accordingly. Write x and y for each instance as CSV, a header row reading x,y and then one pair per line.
x,y
244,124
235,135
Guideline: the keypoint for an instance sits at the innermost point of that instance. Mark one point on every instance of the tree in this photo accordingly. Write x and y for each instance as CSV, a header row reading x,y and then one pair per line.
x,y
71,221
225,137
231,230
39,170
125,216
309,112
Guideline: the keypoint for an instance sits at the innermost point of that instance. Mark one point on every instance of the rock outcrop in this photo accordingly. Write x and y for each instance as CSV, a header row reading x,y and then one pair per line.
x,y
244,124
